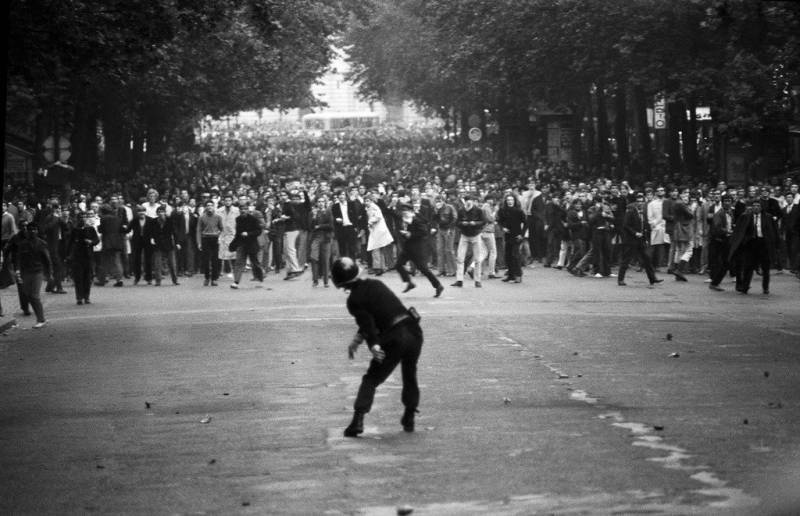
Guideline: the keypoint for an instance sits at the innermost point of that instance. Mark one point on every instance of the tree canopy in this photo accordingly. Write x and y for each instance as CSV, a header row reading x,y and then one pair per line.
x,y
152,66
739,57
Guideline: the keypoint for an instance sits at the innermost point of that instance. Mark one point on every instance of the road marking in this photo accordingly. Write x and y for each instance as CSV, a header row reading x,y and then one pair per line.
x,y
676,457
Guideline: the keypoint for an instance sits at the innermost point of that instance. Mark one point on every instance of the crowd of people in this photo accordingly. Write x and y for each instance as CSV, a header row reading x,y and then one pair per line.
x,y
395,200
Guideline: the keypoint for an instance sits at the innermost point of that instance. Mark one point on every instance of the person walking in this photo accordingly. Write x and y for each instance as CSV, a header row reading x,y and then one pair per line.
x,y
470,221
634,242
82,240
31,262
321,239
245,243
209,228
393,336
513,221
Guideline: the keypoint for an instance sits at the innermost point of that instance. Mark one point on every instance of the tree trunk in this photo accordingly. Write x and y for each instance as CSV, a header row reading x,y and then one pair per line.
x,y
588,124
676,113
464,122
603,150
84,138
621,132
644,149
690,140
117,149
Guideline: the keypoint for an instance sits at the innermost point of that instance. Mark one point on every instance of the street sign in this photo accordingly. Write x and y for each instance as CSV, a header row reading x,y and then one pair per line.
x,y
475,134
660,114
474,120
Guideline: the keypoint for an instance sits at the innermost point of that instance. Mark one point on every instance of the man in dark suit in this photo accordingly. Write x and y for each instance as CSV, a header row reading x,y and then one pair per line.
x,y
719,243
634,243
55,229
753,242
111,230
163,241
248,228
346,218
180,224
141,248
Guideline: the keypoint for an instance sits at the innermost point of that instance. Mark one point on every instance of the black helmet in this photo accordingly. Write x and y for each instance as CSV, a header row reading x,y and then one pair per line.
x,y
344,271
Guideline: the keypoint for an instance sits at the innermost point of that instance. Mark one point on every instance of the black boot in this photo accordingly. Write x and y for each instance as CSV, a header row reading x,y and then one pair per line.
x,y
408,420
679,271
356,425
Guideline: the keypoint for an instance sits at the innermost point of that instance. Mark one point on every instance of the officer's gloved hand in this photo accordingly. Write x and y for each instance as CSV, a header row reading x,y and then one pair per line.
x,y
377,353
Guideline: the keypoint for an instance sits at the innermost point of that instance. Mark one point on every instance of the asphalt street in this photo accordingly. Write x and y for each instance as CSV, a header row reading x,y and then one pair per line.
x,y
560,395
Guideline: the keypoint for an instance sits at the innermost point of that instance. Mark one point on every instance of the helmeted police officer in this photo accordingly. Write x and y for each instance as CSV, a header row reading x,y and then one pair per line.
x,y
393,335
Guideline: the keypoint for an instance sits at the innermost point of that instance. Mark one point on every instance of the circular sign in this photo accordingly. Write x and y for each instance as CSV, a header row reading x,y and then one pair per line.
x,y
474,120
475,134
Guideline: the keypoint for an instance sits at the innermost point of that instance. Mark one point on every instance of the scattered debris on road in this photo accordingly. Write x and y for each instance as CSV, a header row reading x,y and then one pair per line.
x,y
658,427
775,404
675,355
206,419
506,401
147,404
669,336
766,374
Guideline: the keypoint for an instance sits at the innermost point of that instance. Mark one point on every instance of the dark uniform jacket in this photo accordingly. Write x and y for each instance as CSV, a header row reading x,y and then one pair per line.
x,y
375,308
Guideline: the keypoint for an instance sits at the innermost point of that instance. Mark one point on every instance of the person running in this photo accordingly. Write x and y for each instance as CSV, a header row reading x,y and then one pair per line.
x,y
415,249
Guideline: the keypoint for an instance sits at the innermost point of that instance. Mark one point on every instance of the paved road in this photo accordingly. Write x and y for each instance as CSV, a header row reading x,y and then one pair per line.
x,y
560,395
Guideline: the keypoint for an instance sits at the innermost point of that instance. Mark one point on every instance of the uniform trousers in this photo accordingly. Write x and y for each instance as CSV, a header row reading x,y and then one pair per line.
x,y
402,345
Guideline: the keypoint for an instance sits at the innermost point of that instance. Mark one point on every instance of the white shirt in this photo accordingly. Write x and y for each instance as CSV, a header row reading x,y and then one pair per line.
x,y
345,217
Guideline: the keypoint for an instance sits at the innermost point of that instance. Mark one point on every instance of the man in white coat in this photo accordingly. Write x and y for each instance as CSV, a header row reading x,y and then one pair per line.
x,y
658,227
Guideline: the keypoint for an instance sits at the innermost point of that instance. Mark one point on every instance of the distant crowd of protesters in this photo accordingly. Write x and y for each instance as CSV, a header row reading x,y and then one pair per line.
x,y
393,200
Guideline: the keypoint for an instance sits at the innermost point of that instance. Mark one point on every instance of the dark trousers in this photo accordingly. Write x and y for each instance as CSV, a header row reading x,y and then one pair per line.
x,y
159,257
54,282
142,257
31,288
718,260
402,345
82,277
247,250
511,252
536,237
277,250
755,254
417,255
553,247
348,242
633,250
209,257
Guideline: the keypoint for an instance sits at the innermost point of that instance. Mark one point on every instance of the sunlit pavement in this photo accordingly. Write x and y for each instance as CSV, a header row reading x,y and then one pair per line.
x,y
558,395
